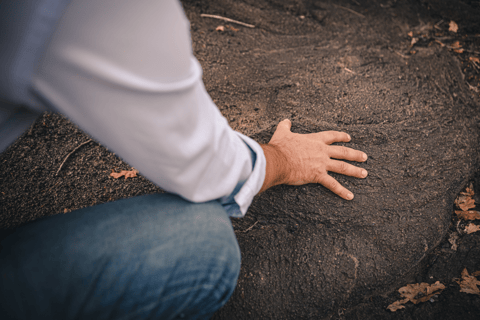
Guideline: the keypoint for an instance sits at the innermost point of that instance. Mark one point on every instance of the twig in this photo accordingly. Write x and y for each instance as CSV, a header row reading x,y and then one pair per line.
x,y
402,55
443,38
472,51
346,69
437,25
352,11
68,155
458,229
204,15
475,64
463,49
472,87
250,228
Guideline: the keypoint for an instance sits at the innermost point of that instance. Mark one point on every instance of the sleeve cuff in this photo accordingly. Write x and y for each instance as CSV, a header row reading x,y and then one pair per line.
x,y
236,204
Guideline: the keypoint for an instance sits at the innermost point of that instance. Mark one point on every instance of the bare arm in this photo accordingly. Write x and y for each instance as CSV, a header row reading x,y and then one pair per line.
x,y
297,159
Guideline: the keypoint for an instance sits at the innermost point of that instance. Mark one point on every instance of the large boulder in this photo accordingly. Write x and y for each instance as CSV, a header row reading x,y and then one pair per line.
x,y
305,251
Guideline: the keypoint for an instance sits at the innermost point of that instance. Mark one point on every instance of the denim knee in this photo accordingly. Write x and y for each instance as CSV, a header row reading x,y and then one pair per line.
x,y
217,257
155,256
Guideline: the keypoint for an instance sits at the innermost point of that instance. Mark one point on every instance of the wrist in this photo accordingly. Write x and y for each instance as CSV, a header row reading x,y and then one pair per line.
x,y
276,168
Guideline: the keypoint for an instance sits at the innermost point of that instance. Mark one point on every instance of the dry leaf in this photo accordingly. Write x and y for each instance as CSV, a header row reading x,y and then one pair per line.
x,y
468,191
220,28
471,228
128,174
474,59
414,40
397,305
452,26
468,215
456,45
468,283
410,34
453,241
464,200
232,28
476,273
465,203
458,50
423,290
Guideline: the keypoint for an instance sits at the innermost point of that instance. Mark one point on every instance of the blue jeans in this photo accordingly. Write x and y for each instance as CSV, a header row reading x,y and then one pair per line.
x,y
148,257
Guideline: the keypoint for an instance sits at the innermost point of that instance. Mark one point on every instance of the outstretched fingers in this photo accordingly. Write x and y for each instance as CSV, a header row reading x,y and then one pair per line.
x,y
346,169
344,153
334,186
330,137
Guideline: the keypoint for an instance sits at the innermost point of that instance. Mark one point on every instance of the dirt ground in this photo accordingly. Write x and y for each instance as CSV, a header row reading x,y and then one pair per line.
x,y
391,74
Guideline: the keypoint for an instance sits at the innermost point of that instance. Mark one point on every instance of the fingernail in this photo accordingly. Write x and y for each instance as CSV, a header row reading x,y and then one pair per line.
x,y
364,173
364,156
350,196
349,137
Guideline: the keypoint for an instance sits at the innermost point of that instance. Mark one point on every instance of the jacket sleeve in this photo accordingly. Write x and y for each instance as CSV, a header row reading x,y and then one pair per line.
x,y
124,71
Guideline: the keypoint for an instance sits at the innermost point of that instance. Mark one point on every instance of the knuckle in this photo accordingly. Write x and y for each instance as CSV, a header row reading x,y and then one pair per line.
x,y
334,185
343,167
321,178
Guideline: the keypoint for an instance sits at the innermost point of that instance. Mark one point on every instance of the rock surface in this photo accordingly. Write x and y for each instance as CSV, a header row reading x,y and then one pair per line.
x,y
413,114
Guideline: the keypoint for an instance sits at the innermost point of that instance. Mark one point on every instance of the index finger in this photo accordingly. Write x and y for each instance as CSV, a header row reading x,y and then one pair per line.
x,y
330,137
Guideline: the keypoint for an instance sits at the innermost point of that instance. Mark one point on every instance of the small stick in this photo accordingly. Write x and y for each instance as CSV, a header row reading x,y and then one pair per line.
x,y
458,230
68,155
437,25
346,69
402,55
250,228
475,64
227,19
466,50
472,87
354,12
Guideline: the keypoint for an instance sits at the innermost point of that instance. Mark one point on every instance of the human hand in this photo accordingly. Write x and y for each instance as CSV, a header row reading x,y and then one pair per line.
x,y
297,159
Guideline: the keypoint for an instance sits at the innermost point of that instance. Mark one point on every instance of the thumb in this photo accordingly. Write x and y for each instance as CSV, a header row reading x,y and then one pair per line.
x,y
284,125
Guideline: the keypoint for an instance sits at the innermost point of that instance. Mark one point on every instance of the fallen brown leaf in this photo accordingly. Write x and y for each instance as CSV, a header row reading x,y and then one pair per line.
x,y
458,50
468,283
456,45
232,28
453,241
220,28
397,305
471,228
468,191
452,26
468,215
464,201
474,59
410,34
423,290
128,174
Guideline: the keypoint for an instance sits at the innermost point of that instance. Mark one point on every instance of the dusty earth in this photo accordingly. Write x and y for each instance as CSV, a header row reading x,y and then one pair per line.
x,y
411,105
